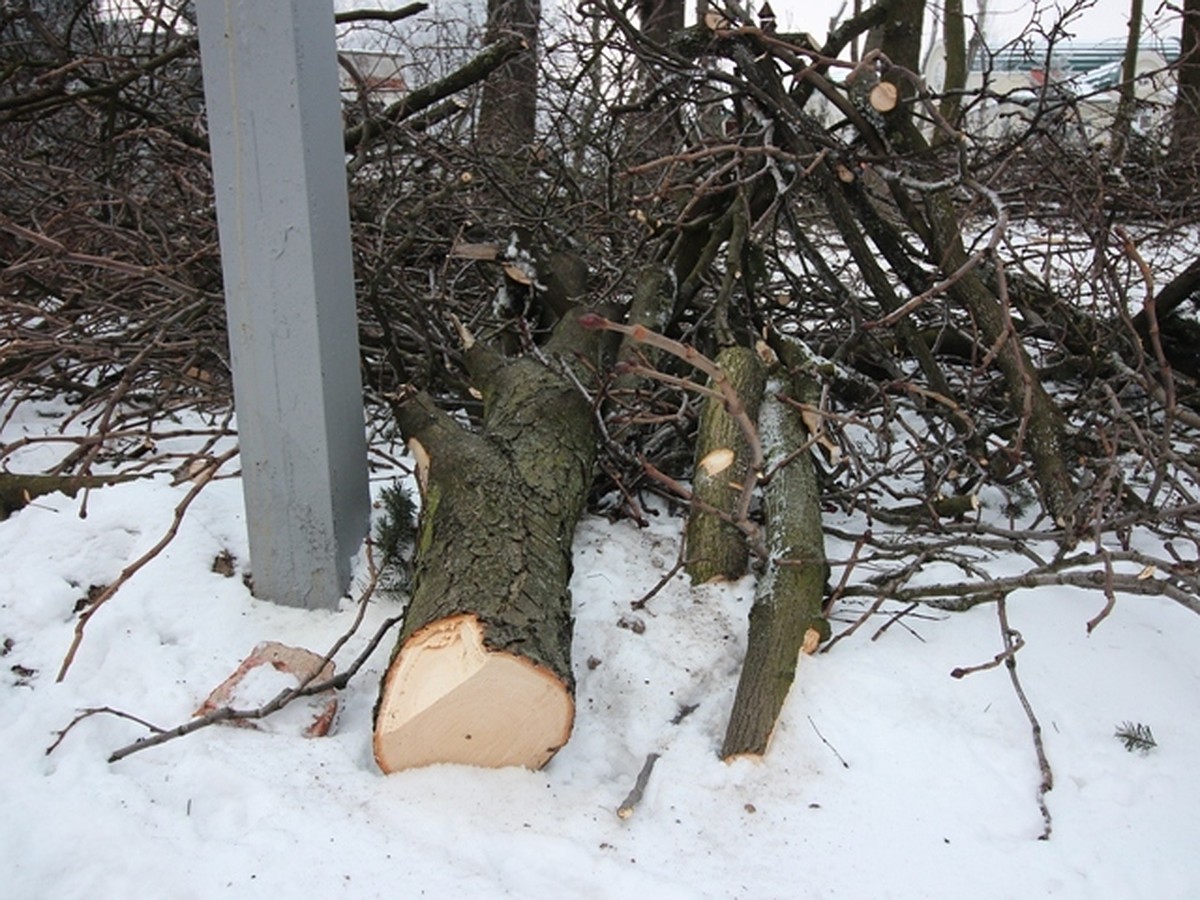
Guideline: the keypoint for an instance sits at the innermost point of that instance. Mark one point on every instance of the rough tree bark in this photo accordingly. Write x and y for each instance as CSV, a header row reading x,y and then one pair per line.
x,y
1186,113
954,43
715,547
786,618
508,111
481,673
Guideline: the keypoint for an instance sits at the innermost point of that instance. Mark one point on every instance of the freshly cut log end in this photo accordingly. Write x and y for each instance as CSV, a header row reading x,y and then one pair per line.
x,y
447,698
884,97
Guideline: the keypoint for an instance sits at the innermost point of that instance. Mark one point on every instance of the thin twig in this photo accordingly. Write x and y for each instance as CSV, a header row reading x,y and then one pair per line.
x,y
1110,594
1012,640
133,568
895,618
857,623
95,711
749,530
1002,657
680,561
625,810
833,749
886,591
60,252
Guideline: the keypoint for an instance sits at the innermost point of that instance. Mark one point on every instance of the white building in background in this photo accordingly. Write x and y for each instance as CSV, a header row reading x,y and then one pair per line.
x,y
1076,85
394,58
380,74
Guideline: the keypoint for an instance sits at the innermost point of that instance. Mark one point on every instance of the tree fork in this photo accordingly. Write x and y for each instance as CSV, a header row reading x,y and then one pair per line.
x,y
481,672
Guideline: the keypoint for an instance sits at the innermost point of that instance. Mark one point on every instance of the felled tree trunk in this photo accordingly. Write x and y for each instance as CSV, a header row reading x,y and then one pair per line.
x,y
481,673
787,616
715,547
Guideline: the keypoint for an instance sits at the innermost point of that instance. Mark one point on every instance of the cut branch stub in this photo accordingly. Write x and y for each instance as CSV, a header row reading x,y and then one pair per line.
x,y
449,699
884,97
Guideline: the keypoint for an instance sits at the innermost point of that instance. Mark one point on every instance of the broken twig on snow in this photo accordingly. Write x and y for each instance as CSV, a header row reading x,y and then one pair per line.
x,y
1011,645
625,810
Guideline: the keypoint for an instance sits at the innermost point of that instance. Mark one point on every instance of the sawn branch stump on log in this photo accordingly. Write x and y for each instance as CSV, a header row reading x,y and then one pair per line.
x,y
481,674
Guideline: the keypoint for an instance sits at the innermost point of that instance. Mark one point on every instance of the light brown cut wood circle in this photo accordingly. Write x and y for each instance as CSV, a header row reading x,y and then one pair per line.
x,y
518,274
884,97
449,699
717,461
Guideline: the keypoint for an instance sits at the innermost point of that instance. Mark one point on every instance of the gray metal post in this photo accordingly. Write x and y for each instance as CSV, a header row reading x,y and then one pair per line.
x,y
271,87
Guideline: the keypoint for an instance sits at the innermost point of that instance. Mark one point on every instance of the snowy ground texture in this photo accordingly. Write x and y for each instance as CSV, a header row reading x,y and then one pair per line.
x,y
886,778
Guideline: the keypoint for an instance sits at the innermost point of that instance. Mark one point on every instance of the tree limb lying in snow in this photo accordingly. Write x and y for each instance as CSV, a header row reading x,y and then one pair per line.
x,y
1160,577
1013,642
1047,783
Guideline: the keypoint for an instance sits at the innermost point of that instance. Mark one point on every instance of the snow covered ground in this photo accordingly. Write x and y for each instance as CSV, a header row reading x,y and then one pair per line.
x,y
887,778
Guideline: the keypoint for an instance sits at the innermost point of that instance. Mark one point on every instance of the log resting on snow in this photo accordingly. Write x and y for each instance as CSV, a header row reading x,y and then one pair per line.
x,y
481,673
786,617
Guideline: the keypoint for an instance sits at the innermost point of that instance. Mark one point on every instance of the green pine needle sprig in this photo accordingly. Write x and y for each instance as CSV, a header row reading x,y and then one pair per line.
x,y
1136,736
